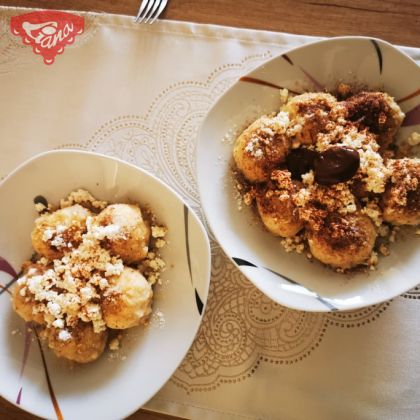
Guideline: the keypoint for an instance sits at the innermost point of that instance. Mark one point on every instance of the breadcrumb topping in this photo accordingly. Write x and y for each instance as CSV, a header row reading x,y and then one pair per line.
x,y
270,127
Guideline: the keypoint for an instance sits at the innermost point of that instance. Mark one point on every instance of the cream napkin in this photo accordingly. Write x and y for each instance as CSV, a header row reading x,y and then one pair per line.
x,y
140,92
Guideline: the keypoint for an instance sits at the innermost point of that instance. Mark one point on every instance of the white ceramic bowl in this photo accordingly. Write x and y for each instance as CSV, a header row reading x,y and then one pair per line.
x,y
291,279
108,388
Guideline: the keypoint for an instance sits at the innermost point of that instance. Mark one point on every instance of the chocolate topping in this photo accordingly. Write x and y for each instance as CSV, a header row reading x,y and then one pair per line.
x,y
300,161
336,164
39,199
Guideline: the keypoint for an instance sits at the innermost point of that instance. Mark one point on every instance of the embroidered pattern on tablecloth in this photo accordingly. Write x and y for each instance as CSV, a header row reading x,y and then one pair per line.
x,y
412,294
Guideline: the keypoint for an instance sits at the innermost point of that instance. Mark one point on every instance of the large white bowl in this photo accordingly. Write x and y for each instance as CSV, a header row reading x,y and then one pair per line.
x,y
291,279
108,388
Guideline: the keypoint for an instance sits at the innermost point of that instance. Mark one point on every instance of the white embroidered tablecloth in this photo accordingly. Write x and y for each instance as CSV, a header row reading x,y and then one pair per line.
x,y
139,92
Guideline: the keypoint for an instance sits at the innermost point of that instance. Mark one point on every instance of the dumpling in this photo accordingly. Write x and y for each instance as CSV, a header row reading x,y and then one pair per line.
x,y
128,303
343,241
127,234
276,207
401,200
80,344
378,112
24,305
262,147
60,231
310,113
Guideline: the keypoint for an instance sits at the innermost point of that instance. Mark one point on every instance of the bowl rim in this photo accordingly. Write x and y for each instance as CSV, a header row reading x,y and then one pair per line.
x,y
321,309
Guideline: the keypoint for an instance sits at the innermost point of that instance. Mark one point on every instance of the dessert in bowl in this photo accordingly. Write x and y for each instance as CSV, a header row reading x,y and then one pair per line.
x,y
282,150
328,176
92,274
133,363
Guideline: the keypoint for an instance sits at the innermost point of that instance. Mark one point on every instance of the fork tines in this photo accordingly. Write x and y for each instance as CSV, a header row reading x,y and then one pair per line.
x,y
150,10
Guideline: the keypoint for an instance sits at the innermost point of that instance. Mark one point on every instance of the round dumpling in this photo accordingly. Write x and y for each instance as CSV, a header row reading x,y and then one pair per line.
x,y
310,113
401,200
276,207
128,234
262,147
23,300
378,112
343,241
80,344
24,304
58,232
128,302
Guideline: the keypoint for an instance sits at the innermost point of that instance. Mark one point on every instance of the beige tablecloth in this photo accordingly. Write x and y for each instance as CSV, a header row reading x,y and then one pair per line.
x,y
139,92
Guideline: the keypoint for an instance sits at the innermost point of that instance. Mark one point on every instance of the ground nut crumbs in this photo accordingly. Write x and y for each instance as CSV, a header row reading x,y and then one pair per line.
x,y
83,198
159,231
373,261
271,127
160,243
248,198
114,344
68,289
414,139
295,129
158,318
403,179
336,198
383,249
295,243
308,178
373,210
393,234
384,231
284,94
39,207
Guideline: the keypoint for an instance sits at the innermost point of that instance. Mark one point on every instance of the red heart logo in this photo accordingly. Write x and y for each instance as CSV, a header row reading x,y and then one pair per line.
x,y
48,32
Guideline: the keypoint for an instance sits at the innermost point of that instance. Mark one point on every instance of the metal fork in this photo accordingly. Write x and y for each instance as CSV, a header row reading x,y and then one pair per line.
x,y
150,10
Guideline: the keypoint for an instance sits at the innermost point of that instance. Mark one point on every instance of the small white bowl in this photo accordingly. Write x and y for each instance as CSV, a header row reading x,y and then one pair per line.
x,y
109,388
291,279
